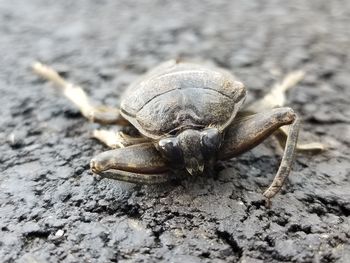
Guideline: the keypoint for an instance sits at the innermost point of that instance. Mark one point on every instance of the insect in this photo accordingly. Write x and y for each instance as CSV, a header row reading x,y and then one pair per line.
x,y
187,116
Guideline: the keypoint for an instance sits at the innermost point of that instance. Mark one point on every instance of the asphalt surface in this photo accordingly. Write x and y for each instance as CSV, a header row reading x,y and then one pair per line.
x,y
53,210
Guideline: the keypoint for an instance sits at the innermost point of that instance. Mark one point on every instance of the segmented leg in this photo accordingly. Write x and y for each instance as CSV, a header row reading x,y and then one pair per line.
x,y
139,163
286,162
101,114
117,139
277,95
249,131
277,98
245,133
138,178
313,147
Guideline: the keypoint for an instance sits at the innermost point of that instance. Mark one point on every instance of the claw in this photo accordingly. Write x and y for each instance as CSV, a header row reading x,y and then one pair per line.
x,y
94,167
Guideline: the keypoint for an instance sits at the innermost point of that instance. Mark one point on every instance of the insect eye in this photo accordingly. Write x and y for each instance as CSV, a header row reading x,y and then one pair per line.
x,y
210,140
171,150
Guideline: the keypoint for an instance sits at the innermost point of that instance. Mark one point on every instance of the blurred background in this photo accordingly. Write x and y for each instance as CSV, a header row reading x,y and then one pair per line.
x,y
51,210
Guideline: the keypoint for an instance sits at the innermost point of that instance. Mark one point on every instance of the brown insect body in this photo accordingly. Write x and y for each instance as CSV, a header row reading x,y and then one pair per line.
x,y
188,116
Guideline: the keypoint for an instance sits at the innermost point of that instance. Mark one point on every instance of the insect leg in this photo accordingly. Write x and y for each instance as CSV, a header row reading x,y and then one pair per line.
x,y
249,131
117,139
139,163
277,95
277,98
101,114
286,162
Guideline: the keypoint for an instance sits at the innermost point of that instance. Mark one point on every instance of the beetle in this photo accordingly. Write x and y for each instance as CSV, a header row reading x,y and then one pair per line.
x,y
188,116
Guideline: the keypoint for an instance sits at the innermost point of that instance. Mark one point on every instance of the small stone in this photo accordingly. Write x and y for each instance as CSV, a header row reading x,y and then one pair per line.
x,y
16,139
59,233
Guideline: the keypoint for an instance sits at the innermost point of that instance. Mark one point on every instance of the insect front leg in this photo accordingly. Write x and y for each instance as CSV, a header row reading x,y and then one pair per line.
x,y
100,114
248,132
275,98
139,163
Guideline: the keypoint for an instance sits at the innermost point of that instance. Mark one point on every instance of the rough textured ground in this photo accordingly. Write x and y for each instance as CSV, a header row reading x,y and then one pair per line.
x,y
51,208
